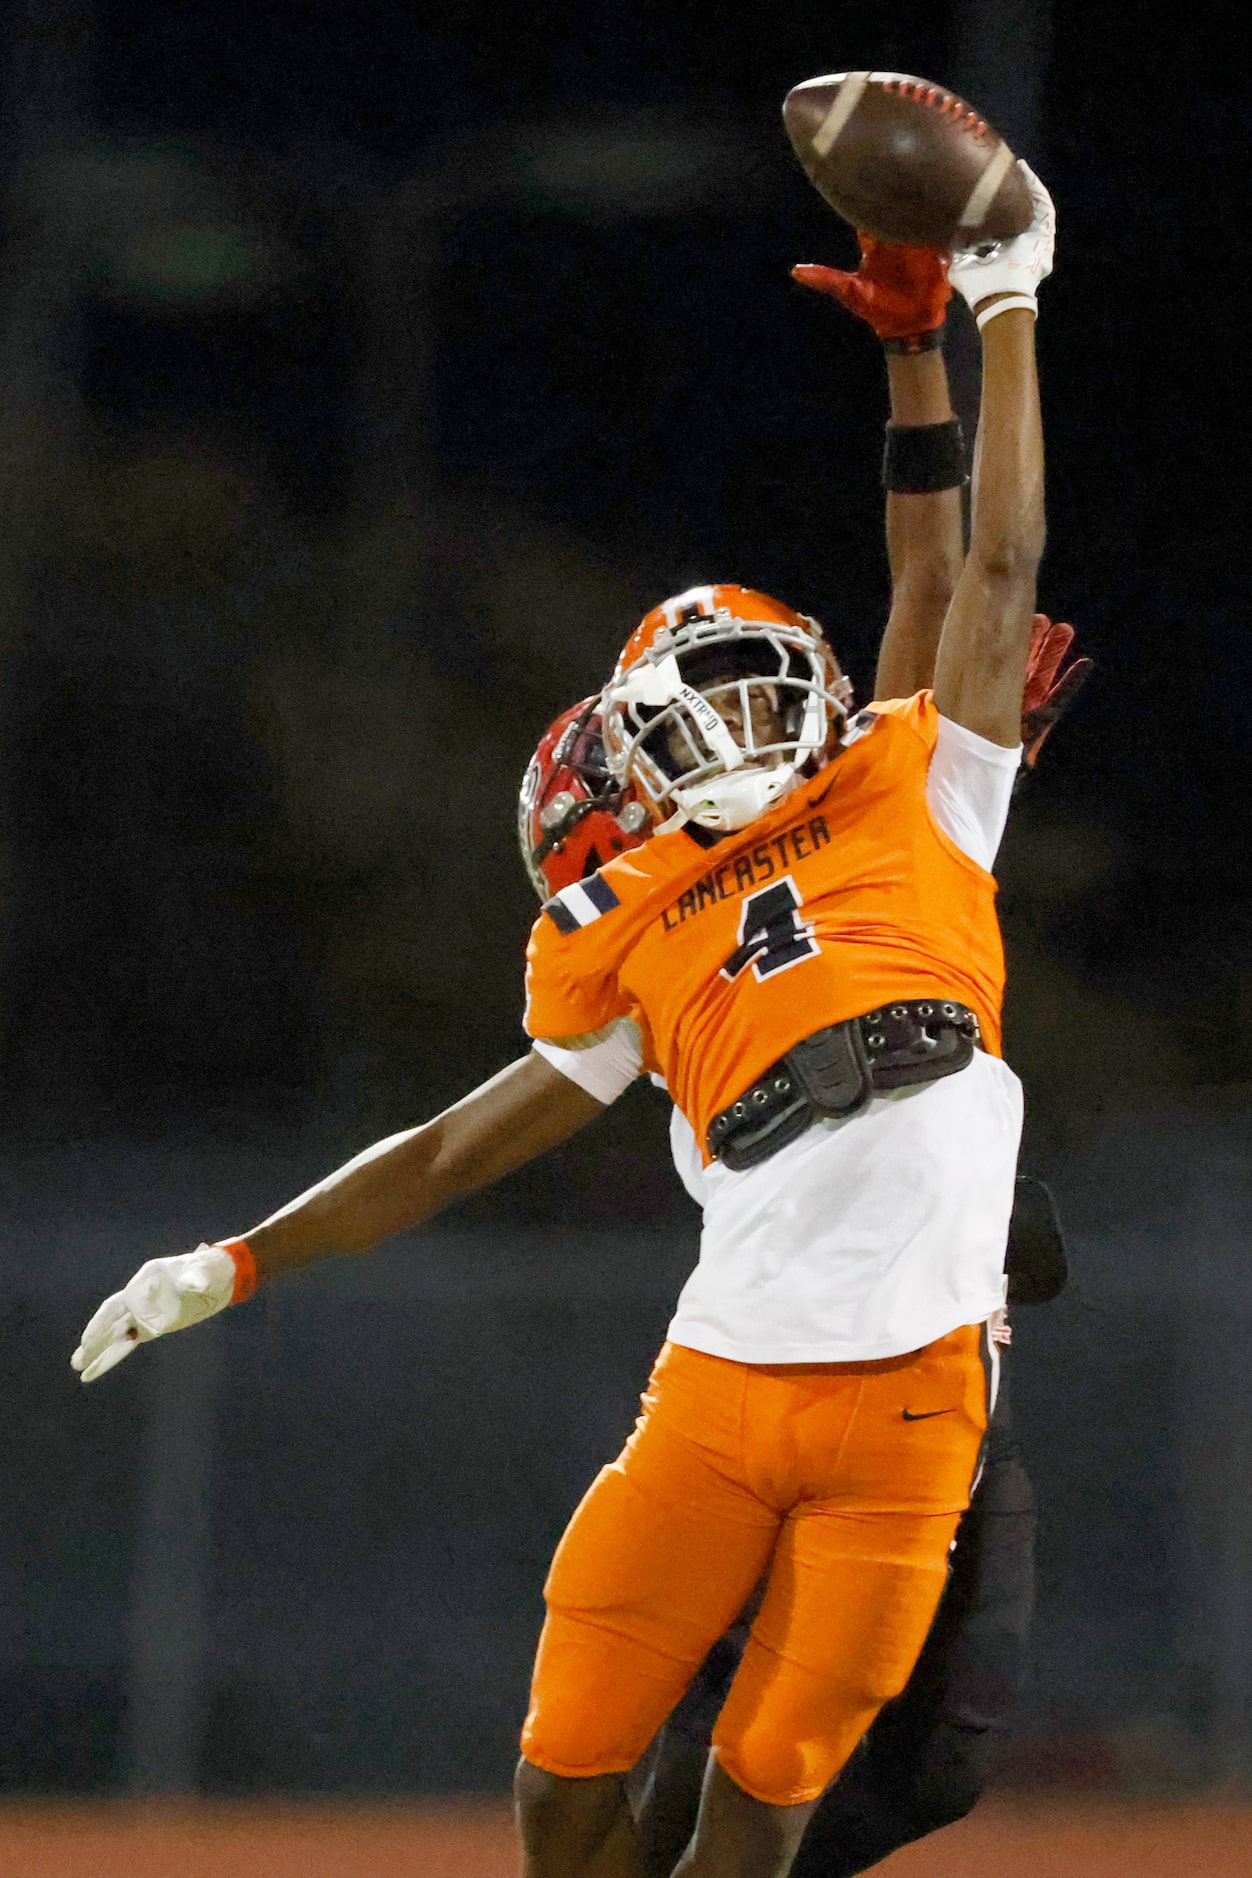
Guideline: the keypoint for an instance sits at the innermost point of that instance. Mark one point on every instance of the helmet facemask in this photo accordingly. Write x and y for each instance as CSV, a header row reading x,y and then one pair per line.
x,y
721,717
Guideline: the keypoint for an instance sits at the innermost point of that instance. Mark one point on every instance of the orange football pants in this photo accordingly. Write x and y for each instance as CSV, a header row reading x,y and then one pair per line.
x,y
843,1481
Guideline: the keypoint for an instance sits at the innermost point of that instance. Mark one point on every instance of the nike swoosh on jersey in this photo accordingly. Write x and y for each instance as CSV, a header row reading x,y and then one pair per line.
x,y
925,1416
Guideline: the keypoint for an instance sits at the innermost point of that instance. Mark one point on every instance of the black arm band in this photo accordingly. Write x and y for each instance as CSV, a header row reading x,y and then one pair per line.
x,y
922,458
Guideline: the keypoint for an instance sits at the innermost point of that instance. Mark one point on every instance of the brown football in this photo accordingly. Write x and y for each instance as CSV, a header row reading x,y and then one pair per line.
x,y
906,160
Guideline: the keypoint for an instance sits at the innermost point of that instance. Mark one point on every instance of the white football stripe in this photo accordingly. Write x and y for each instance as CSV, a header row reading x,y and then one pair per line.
x,y
831,127
701,597
982,195
579,904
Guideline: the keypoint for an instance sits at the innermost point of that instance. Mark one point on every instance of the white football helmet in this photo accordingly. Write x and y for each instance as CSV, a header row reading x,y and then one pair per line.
x,y
711,654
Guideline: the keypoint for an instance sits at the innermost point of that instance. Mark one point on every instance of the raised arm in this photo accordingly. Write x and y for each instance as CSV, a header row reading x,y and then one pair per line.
x,y
924,527
986,637
398,1183
901,294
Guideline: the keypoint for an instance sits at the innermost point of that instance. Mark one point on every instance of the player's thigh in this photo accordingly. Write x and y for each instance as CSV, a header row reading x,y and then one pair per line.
x,y
655,1564
857,1575
843,1622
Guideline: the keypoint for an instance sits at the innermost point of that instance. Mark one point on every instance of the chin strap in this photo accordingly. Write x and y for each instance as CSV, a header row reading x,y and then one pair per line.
x,y
728,803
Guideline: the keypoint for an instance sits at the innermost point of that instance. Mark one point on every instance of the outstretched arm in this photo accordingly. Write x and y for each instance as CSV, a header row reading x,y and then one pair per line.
x,y
406,1179
981,664
398,1183
986,636
901,294
924,536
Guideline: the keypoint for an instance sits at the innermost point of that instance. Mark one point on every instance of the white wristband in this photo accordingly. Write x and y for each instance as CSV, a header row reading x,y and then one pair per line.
x,y
1011,303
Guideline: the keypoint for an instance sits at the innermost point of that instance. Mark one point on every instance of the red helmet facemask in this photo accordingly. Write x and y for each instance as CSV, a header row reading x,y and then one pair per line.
x,y
571,815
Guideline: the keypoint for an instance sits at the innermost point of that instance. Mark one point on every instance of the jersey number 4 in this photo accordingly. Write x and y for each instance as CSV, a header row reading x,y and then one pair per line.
x,y
772,936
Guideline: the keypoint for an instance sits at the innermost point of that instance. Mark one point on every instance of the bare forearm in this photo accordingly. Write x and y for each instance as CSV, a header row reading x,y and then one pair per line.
x,y
409,1177
986,637
393,1185
1007,520
917,384
528,1107
924,550
924,537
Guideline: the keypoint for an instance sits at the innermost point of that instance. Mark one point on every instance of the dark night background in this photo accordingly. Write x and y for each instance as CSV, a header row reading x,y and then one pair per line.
x,y
367,371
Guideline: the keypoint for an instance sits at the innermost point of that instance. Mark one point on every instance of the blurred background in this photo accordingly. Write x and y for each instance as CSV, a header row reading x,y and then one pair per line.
x,y
364,373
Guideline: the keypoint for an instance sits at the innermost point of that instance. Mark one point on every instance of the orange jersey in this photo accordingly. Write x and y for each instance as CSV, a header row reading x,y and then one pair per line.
x,y
843,897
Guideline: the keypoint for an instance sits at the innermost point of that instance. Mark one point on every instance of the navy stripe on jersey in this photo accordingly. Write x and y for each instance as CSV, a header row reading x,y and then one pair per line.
x,y
562,919
578,905
600,893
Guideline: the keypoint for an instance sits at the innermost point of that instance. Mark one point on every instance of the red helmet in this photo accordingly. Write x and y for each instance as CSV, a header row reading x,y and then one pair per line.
x,y
571,815
663,735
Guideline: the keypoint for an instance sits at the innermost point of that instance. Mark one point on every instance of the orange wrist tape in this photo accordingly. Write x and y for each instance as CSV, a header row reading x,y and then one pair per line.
x,y
245,1268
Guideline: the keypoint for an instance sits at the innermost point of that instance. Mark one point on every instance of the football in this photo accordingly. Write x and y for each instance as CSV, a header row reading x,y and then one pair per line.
x,y
906,160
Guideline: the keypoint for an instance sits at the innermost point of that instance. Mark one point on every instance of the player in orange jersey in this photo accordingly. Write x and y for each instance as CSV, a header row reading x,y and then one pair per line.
x,y
922,1763
821,1402
808,947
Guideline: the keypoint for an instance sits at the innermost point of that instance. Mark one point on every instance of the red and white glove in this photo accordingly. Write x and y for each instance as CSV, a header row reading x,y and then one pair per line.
x,y
164,1295
901,293
1051,685
1012,268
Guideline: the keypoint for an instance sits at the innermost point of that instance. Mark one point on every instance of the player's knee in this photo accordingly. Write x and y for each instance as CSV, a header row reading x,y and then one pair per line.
x,y
778,1767
575,1814
789,1752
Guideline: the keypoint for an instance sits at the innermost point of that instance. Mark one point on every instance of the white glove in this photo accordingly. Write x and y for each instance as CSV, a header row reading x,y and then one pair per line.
x,y
1011,267
164,1294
